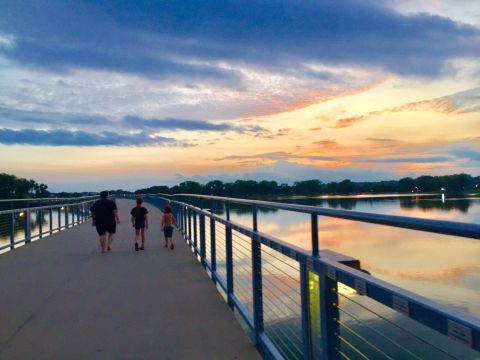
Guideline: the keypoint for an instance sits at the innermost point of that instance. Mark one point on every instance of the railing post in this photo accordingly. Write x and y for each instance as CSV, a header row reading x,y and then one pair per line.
x,y
229,263
12,230
179,217
78,214
329,317
28,227
314,222
202,241
213,251
59,218
227,210
305,301
66,217
185,221
182,219
50,220
40,223
189,212
257,280
195,248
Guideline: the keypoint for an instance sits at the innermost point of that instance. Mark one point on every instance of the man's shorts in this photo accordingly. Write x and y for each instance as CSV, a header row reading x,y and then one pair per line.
x,y
168,231
104,228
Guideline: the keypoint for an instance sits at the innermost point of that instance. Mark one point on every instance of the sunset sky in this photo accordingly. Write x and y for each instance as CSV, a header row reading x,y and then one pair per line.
x,y
126,95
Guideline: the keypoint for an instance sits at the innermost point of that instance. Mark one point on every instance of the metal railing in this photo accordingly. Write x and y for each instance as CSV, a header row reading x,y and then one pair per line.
x,y
24,225
303,305
10,204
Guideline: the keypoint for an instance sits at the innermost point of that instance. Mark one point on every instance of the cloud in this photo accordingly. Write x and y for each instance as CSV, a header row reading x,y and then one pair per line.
x,y
52,119
195,39
81,138
346,122
7,41
326,144
279,155
462,102
467,154
288,172
175,124
431,159
382,140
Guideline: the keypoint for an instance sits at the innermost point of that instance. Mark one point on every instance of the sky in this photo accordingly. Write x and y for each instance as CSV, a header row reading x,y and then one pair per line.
x,y
114,94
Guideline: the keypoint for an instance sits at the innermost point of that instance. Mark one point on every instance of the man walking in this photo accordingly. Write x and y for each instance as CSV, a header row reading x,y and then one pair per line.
x,y
105,217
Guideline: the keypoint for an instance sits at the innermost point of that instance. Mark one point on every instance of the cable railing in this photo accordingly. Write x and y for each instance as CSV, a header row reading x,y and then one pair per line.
x,y
23,225
10,204
302,304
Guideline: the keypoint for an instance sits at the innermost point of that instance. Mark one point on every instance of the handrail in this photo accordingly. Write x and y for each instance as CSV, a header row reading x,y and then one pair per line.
x,y
52,206
455,228
50,198
66,215
454,324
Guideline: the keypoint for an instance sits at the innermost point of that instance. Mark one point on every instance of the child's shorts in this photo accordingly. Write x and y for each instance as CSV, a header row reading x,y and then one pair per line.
x,y
168,231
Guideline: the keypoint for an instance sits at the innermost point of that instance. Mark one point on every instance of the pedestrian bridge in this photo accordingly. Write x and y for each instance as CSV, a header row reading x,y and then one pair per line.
x,y
63,299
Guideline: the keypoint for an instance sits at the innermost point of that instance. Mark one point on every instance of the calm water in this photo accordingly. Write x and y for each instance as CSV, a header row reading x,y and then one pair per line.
x,y
443,268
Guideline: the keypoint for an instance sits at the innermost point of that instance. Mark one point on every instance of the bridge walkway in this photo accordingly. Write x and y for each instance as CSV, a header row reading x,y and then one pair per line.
x,y
62,299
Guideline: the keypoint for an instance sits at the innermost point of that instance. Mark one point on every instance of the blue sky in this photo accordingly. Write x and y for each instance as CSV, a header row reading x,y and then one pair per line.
x,y
281,90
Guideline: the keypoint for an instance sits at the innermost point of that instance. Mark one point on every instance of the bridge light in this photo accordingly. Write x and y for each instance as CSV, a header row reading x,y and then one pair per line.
x,y
21,214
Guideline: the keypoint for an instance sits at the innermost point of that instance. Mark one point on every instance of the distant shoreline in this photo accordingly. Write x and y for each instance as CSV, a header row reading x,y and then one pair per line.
x,y
367,196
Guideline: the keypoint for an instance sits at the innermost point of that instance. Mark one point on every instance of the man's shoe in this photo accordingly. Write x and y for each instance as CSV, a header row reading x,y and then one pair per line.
x,y
136,247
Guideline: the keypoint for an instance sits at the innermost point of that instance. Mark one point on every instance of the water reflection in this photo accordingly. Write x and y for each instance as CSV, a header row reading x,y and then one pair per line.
x,y
461,205
414,202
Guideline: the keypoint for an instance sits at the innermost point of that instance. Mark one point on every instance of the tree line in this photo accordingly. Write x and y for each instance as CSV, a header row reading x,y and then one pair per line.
x,y
12,187
458,183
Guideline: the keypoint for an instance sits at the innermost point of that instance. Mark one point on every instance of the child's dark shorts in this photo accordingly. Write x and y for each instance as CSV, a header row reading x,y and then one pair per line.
x,y
168,231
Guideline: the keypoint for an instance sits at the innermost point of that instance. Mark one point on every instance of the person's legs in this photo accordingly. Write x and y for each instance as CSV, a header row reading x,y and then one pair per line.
x,y
137,235
103,241
142,231
168,236
111,237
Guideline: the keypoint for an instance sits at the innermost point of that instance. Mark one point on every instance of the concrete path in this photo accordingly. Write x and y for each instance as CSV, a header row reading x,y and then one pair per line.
x,y
62,299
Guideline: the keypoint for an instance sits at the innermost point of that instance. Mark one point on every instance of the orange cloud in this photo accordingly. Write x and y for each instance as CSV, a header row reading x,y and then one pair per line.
x,y
326,144
346,122
270,104
443,105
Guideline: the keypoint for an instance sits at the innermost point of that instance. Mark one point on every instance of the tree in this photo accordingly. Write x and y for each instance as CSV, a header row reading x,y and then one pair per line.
x,y
190,187
346,187
215,187
406,185
308,187
13,187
